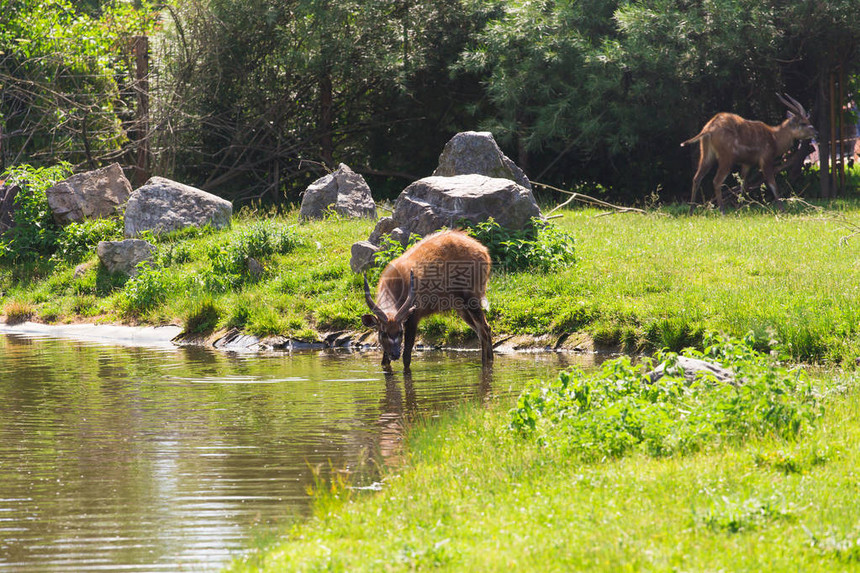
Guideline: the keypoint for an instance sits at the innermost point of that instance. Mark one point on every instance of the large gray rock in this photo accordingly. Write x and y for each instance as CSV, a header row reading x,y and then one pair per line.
x,y
435,202
162,205
124,256
476,152
91,195
343,190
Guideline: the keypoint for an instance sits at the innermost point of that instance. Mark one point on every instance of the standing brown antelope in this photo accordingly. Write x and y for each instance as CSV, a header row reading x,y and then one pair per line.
x,y
445,271
728,139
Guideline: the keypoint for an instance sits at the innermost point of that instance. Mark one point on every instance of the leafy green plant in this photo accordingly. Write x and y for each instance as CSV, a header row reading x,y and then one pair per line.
x,y
76,240
621,409
542,247
35,233
144,291
389,249
230,262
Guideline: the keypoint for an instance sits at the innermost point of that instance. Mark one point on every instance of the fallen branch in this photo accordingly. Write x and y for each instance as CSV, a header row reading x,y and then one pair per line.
x,y
574,196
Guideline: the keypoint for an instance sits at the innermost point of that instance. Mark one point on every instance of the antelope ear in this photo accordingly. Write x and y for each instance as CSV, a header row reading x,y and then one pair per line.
x,y
369,320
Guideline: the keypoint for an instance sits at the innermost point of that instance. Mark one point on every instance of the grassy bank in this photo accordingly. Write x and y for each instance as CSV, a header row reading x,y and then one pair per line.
x,y
476,493
638,283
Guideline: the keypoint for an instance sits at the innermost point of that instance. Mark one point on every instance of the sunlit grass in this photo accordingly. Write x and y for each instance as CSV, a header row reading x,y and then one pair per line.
x,y
475,497
639,282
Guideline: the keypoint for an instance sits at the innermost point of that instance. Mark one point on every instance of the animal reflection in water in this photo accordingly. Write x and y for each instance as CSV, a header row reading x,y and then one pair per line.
x,y
447,271
397,411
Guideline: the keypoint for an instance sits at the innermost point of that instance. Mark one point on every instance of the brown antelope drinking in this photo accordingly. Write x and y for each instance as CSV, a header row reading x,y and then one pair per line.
x,y
447,271
728,139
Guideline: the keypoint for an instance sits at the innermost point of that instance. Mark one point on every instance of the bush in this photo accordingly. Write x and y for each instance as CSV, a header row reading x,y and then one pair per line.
x,y
620,410
35,233
542,247
76,240
145,291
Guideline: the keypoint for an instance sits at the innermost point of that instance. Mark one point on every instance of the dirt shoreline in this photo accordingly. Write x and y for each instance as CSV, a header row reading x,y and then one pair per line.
x,y
117,334
170,336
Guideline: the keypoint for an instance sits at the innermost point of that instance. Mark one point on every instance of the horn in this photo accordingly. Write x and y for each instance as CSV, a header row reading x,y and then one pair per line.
x,y
369,299
407,308
792,104
800,108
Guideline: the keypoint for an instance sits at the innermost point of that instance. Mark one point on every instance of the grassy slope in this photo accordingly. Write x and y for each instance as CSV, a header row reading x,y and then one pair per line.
x,y
771,506
640,281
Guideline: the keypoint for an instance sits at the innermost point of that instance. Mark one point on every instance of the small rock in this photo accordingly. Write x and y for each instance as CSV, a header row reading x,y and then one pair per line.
x,y
362,256
692,368
255,268
82,269
124,256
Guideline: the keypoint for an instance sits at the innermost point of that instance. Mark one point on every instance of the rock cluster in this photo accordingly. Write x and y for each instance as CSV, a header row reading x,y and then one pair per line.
x,y
473,182
160,206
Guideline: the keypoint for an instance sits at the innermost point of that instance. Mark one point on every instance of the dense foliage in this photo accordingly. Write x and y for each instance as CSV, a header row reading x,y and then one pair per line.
x,y
621,409
65,79
543,247
250,98
35,235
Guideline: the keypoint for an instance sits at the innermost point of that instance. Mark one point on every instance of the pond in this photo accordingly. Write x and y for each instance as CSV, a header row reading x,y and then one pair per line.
x,y
162,458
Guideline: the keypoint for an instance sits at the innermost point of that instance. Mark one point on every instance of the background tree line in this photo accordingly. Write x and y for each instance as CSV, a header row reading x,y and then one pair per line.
x,y
251,99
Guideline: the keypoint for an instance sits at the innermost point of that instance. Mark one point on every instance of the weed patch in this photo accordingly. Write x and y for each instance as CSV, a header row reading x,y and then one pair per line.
x,y
145,291
17,312
620,410
736,516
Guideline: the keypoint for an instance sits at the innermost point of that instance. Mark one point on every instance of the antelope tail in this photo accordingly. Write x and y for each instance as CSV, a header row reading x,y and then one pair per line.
x,y
693,139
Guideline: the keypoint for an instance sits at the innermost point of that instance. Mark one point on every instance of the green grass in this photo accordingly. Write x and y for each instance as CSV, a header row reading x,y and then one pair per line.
x,y
474,495
638,283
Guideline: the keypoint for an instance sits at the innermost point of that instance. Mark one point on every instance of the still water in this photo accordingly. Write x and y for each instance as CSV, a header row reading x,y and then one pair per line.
x,y
169,459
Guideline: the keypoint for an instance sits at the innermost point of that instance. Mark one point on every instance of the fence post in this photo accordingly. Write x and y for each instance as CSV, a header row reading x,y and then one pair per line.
x,y
140,49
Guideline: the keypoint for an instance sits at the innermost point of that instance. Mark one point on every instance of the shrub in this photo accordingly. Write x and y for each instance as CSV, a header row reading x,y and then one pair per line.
x,y
76,240
35,233
542,247
620,410
145,291
230,261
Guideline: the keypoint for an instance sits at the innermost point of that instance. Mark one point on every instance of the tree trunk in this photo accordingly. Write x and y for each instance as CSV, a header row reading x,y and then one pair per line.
x,y
326,119
824,135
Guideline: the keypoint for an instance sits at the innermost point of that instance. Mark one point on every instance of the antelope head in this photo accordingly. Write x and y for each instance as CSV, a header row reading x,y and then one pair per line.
x,y
389,322
798,122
